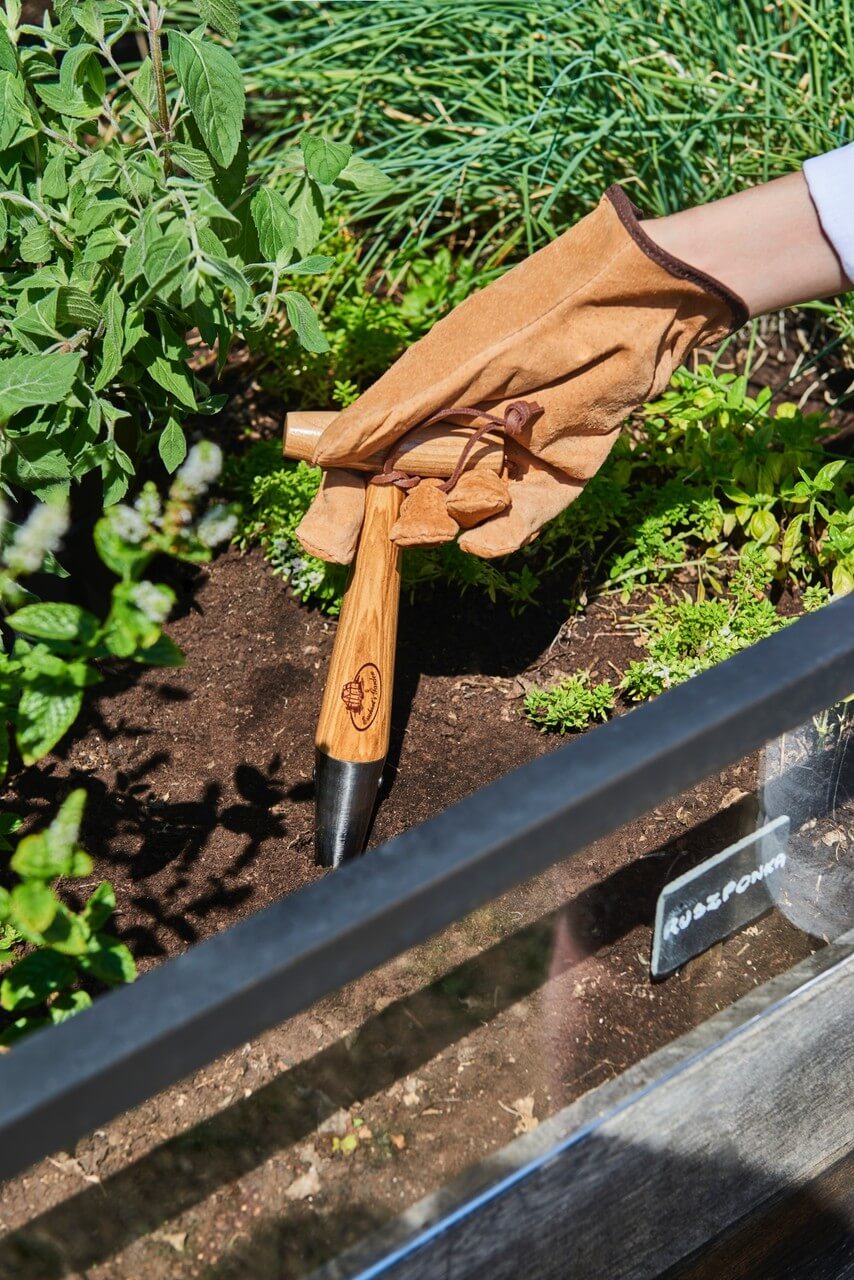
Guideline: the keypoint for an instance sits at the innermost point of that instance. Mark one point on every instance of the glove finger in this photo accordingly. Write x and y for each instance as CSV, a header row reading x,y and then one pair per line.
x,y
538,493
331,526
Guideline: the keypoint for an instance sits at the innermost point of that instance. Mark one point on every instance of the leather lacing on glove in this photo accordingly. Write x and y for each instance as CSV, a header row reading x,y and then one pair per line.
x,y
516,417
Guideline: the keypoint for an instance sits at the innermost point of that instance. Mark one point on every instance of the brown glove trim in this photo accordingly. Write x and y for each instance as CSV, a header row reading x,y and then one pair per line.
x,y
629,213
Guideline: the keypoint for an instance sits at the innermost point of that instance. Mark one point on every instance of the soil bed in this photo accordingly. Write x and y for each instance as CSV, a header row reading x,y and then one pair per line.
x,y
275,1158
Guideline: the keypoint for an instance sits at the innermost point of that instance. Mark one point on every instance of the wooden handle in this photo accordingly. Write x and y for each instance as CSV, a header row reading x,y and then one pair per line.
x,y
355,717
432,451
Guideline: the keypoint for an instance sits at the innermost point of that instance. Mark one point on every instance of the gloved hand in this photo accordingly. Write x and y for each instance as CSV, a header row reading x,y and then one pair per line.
x,y
588,328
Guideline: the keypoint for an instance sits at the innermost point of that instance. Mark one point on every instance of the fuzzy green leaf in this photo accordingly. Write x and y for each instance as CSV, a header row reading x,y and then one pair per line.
x,y
171,375
276,225
305,322
37,245
15,122
324,160
172,445
213,85
34,978
4,226
194,160
27,380
307,208
222,15
55,622
363,176
167,257
45,713
74,307
111,347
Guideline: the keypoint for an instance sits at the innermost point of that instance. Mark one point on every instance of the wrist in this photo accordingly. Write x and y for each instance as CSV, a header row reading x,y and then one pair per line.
x,y
765,244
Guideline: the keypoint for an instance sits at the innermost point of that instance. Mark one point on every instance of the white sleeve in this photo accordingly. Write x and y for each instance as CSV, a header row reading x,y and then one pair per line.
x,y
830,179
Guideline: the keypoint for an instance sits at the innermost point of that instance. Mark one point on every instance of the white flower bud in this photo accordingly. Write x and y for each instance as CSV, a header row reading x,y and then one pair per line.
x,y
216,526
42,532
200,470
128,524
155,602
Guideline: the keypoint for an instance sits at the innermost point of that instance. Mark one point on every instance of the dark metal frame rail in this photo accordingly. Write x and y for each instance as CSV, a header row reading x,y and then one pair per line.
x,y
65,1081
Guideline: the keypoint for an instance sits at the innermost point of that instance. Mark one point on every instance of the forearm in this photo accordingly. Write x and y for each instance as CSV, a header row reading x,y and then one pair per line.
x,y
766,244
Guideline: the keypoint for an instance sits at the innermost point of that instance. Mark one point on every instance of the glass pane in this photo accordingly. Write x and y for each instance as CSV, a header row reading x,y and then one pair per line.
x,y
280,1156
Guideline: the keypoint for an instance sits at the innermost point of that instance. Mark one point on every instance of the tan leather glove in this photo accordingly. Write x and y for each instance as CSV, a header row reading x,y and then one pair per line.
x,y
589,328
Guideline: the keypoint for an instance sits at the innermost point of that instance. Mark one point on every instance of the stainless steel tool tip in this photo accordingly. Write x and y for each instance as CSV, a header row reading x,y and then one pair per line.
x,y
345,794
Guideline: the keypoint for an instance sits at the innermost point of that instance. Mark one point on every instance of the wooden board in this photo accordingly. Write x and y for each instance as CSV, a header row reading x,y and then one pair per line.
x,y
690,1154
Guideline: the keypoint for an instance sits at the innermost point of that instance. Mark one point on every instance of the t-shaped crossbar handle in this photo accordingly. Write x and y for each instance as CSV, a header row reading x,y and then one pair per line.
x,y
353,730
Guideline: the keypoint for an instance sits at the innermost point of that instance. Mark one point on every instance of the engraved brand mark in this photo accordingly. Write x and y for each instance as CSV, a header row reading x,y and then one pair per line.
x,y
361,696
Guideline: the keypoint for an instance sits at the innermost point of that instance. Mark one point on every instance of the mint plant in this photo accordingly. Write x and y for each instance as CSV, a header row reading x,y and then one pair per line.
x,y
47,950
126,223
57,646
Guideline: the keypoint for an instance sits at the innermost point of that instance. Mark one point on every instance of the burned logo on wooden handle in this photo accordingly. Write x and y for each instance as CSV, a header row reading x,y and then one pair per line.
x,y
361,696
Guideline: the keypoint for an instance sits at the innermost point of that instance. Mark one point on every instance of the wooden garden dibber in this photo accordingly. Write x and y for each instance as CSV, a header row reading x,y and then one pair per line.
x,y
352,738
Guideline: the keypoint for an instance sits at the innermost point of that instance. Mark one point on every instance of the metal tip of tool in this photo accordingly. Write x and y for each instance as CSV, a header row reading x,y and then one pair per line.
x,y
345,796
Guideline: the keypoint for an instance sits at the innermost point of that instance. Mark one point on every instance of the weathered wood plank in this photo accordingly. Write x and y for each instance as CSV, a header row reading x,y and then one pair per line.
x,y
712,1131
809,1233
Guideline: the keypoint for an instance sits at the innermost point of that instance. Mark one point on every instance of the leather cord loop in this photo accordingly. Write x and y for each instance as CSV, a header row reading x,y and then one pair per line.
x,y
516,417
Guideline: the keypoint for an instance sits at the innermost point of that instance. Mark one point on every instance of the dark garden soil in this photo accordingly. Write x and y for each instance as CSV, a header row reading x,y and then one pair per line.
x,y
201,812
275,1158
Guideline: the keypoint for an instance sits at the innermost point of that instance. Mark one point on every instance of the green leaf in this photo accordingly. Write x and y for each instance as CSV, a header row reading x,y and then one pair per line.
x,y
363,176
172,446
55,622
4,226
313,266
222,15
67,1003
64,831
111,347
37,245
34,978
109,960
213,85
27,380
100,906
126,560
324,160
15,121
792,538
167,257
44,855
305,322
235,280
276,225
194,160
54,184
307,208
8,58
163,653
172,376
68,934
34,905
46,712
763,527
74,307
